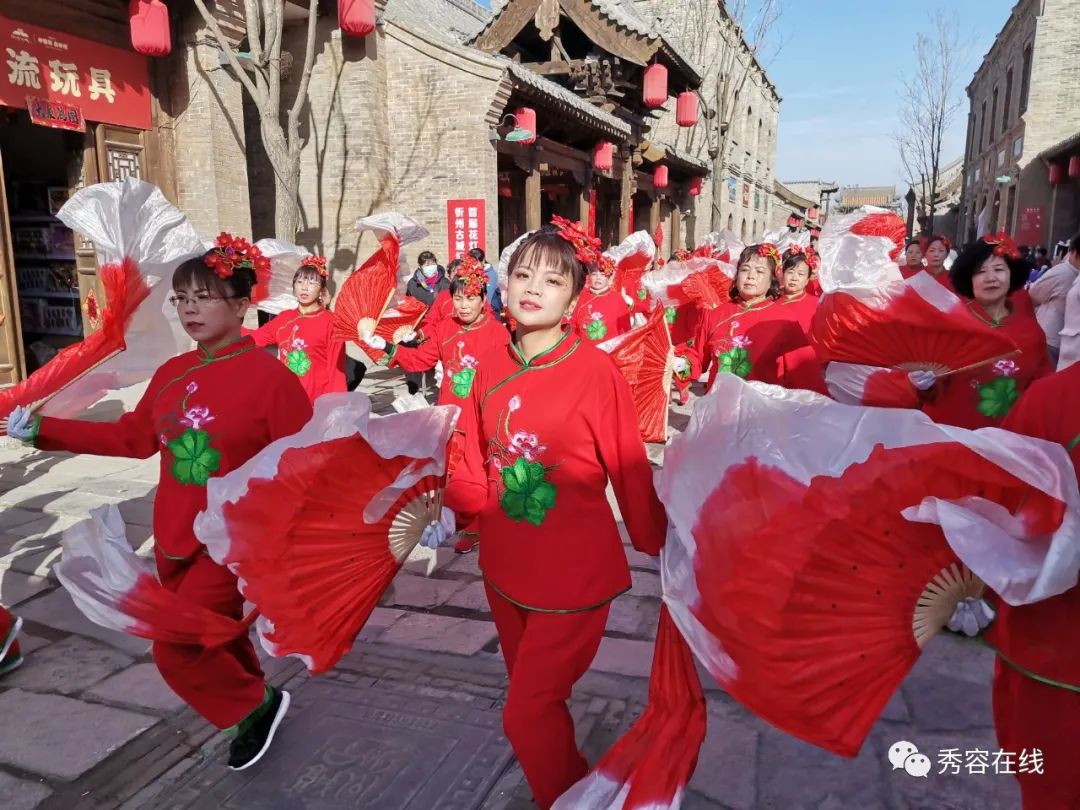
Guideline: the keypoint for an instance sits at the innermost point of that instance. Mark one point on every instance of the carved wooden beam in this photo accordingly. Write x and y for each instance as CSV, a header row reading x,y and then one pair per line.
x,y
508,25
547,19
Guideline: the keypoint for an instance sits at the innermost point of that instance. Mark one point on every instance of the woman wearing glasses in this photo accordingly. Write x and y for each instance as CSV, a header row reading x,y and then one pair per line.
x,y
206,413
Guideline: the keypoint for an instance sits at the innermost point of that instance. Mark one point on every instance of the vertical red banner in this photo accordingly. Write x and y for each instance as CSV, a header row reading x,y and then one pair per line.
x,y
466,224
592,212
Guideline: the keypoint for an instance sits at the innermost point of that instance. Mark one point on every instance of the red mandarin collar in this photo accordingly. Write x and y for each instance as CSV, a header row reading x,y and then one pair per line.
x,y
563,348
238,346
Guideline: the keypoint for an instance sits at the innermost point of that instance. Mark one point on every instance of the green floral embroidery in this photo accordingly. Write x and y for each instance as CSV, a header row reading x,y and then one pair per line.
x,y
298,362
529,495
670,314
463,381
737,362
194,458
642,294
596,330
996,398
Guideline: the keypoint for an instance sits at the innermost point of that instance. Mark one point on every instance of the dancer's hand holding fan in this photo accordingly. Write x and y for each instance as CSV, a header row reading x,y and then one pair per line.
x,y
140,238
801,572
646,358
633,257
317,524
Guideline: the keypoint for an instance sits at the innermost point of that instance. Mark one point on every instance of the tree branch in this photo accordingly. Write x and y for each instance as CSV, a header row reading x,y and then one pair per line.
x,y
230,54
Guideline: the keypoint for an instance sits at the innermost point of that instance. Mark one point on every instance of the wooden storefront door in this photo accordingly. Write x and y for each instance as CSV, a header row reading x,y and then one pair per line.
x,y
11,359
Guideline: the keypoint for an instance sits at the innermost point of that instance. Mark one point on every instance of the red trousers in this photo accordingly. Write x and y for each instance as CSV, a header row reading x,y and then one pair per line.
x,y
223,684
1032,715
546,654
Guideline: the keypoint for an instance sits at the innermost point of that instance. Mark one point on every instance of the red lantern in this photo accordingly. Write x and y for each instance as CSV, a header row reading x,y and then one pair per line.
x,y
812,212
604,156
686,109
695,186
660,177
149,24
654,90
1056,174
356,17
526,119
1074,166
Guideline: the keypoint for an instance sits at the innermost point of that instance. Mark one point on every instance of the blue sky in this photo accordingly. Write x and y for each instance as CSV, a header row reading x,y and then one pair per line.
x,y
838,71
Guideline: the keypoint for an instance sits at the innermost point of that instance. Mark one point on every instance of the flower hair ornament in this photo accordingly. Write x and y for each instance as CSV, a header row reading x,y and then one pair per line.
x,y
586,247
472,273
605,264
316,263
768,250
1003,244
810,256
682,255
231,253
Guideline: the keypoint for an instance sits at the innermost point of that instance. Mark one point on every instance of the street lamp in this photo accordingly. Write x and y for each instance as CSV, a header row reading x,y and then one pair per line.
x,y
513,134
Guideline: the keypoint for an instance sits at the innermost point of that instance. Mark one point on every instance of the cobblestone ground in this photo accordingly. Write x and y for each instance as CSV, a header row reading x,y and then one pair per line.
x,y
411,717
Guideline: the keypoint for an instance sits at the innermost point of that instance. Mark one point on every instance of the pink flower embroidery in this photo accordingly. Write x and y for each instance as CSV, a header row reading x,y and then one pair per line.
x,y
196,417
164,441
514,404
461,344
497,462
192,387
468,361
527,445
597,316
1006,368
740,341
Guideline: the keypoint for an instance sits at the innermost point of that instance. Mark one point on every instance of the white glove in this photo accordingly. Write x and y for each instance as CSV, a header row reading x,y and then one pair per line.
x,y
373,341
408,337
682,365
438,533
971,617
923,380
637,319
20,424
629,301
438,374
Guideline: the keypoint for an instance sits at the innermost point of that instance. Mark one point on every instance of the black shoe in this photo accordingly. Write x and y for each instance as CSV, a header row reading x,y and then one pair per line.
x,y
249,747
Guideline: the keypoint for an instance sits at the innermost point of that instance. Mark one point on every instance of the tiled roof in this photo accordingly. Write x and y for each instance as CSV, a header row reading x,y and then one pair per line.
x,y
527,81
689,161
454,21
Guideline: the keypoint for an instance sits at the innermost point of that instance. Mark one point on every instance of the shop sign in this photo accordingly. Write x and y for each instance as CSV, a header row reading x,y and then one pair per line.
x,y
466,224
55,114
592,211
1030,226
105,84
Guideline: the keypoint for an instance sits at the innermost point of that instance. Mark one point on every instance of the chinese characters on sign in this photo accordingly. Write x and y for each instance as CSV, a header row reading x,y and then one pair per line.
x,y
1030,226
55,114
980,762
60,71
466,223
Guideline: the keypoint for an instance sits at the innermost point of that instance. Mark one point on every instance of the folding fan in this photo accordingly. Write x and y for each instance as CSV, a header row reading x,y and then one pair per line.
x,y
632,257
314,563
666,284
857,250
140,238
285,259
883,223
808,570
396,323
116,589
646,358
649,767
708,289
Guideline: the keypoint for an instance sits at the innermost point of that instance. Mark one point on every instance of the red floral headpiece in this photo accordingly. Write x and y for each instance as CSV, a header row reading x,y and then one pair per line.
x,y
586,247
316,263
231,253
606,265
937,238
809,255
682,255
768,250
473,274
1003,244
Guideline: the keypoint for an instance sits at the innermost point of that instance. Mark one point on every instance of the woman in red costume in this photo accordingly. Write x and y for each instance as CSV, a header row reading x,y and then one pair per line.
x,y
206,413
797,271
988,274
302,335
1037,676
550,421
913,258
602,311
754,336
936,251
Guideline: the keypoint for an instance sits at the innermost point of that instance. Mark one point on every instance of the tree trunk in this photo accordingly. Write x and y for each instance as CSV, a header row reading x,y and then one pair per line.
x,y
717,195
286,209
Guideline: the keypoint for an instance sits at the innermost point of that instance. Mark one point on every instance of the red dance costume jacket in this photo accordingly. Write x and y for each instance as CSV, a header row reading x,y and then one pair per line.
x,y
541,440
460,348
804,368
601,317
306,347
206,415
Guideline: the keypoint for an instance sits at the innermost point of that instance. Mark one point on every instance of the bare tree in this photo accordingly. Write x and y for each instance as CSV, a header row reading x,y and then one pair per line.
x,y
262,82
929,101
725,40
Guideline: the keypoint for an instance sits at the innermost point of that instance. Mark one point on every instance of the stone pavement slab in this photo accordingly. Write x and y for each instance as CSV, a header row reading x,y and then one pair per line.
x,y
56,610
139,687
22,794
68,666
16,587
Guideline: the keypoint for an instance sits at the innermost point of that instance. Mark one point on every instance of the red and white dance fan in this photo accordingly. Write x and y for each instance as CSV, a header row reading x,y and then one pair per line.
x,y
807,570
370,289
649,767
313,562
666,284
857,249
140,238
646,359
396,324
116,589
633,257
285,259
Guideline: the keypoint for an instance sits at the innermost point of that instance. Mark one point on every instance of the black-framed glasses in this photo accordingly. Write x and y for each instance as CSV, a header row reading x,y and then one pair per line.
x,y
199,299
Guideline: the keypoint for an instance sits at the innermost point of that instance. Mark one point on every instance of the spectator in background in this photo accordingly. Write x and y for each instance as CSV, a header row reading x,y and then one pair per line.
x,y
427,282
1048,295
1070,330
493,294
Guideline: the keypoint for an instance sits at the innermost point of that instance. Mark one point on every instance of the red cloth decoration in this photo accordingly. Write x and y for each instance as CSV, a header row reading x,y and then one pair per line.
x,y
149,24
655,86
356,17
604,156
1056,174
686,109
695,187
586,247
660,177
658,237
526,119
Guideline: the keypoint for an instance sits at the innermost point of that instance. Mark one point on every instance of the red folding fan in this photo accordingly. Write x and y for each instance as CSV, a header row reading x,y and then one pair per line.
x,y
646,358
367,292
886,224
125,288
708,289
650,765
396,323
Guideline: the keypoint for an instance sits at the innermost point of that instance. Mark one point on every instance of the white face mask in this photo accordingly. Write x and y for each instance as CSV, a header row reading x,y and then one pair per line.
x,y
430,270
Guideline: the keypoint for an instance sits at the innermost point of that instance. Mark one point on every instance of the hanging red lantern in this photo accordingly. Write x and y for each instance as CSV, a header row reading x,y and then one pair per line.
x,y
604,156
526,119
660,177
149,24
686,109
1056,174
695,186
356,17
812,212
1074,166
654,88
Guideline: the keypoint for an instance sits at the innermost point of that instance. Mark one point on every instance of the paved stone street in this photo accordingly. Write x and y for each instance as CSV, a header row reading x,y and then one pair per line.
x,y
411,717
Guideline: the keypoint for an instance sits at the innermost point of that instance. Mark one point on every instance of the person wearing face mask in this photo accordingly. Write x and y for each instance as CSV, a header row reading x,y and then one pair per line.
x,y
206,413
753,336
426,285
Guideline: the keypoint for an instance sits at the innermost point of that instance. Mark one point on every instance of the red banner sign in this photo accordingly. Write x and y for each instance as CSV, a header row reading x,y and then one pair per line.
x,y
106,84
1029,229
55,114
466,225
